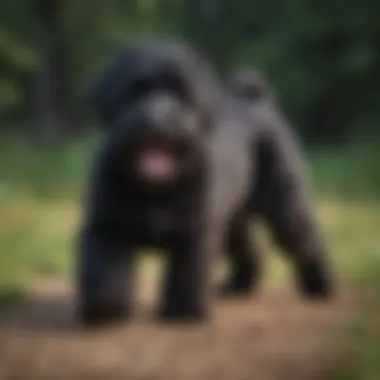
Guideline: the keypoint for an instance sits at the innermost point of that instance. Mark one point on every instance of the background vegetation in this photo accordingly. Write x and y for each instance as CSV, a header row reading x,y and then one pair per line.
x,y
322,57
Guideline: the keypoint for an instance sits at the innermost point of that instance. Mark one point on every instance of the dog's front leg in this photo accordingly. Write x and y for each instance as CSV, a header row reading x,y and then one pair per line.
x,y
105,278
187,293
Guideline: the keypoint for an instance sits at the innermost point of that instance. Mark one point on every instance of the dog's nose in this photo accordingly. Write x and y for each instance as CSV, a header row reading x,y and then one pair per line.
x,y
161,111
160,107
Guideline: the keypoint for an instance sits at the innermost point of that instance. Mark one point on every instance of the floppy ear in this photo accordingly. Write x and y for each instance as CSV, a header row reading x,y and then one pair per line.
x,y
96,99
108,87
101,95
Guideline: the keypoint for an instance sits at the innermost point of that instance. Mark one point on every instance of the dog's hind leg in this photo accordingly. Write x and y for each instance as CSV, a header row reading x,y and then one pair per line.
x,y
245,259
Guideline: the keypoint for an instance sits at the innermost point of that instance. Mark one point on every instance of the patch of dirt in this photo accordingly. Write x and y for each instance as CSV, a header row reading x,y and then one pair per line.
x,y
274,336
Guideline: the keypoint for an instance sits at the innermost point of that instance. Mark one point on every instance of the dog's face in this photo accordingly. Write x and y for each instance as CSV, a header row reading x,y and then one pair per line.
x,y
162,139
151,102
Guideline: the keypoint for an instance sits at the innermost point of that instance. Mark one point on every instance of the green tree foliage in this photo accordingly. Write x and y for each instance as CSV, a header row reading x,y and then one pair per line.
x,y
322,56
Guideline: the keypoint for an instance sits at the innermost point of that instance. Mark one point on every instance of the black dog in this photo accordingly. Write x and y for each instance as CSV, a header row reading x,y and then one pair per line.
x,y
183,169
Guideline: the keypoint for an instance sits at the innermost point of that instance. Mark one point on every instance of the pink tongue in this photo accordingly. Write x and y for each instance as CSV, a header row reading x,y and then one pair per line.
x,y
155,165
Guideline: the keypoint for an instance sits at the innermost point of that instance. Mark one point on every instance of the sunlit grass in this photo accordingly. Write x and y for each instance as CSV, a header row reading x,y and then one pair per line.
x,y
38,238
35,240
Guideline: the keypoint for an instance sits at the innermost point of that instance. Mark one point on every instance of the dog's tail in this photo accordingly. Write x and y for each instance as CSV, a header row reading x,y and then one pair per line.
x,y
249,84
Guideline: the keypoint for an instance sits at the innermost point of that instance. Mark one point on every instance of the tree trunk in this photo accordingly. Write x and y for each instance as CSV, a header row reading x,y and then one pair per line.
x,y
51,91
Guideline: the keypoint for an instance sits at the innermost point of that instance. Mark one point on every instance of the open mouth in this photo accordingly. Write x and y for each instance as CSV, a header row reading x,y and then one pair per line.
x,y
158,161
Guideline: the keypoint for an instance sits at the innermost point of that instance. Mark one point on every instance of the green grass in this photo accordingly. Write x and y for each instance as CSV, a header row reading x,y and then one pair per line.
x,y
360,351
33,173
349,173
40,195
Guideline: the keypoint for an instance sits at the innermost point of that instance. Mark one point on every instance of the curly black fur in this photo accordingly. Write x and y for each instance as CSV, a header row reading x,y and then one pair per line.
x,y
234,159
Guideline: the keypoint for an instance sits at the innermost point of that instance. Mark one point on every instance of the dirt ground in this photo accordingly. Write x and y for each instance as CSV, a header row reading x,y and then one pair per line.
x,y
275,336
